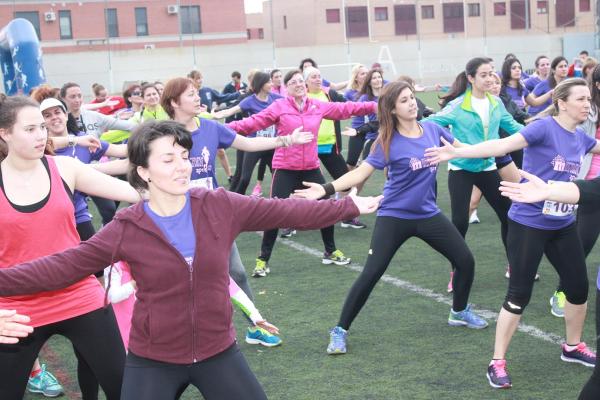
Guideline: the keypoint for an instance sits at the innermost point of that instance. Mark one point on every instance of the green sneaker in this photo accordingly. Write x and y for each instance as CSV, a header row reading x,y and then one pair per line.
x,y
337,258
45,383
557,304
261,269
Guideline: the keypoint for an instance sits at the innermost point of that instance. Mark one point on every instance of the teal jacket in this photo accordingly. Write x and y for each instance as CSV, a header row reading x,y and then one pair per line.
x,y
467,127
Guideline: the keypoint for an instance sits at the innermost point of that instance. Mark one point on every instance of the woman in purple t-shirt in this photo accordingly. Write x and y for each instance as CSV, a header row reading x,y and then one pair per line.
x,y
408,208
543,90
554,148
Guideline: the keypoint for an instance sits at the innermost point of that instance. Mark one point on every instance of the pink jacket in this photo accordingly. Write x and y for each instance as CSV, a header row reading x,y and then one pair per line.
x,y
284,114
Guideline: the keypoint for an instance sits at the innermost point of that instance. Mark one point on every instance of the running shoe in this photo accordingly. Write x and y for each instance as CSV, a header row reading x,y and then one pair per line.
x,y
353,223
474,219
557,304
581,354
337,341
498,375
337,258
261,269
507,274
450,288
287,232
45,383
258,335
466,318
257,191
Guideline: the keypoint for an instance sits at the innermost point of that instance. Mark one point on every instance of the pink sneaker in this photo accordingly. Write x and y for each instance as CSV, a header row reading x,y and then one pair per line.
x,y
257,191
450,288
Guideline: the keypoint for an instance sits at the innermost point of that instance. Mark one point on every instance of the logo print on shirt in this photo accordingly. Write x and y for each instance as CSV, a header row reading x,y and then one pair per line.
x,y
202,163
416,164
560,164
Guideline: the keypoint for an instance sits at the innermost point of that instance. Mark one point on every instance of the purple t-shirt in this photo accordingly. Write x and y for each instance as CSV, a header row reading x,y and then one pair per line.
x,y
178,229
350,94
553,154
83,154
410,191
540,89
252,105
531,82
514,95
207,139
372,135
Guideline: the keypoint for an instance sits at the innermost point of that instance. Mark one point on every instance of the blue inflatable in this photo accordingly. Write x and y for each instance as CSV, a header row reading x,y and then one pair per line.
x,y
20,57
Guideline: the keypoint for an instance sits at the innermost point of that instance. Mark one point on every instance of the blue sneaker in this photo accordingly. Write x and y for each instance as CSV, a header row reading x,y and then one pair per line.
x,y
466,318
337,341
45,383
258,335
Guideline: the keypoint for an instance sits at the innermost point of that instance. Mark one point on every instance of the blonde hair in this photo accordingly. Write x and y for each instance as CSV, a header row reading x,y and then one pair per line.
x,y
352,83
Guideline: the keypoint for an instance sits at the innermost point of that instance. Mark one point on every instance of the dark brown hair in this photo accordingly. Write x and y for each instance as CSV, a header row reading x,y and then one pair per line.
x,y
9,112
172,92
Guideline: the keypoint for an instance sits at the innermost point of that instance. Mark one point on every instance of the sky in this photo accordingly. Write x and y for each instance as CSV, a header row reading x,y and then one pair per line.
x,y
253,6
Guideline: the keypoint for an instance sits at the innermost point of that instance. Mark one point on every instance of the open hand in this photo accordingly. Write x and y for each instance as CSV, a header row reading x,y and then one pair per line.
x,y
313,191
532,191
366,205
12,326
89,141
301,137
436,155
268,327
349,131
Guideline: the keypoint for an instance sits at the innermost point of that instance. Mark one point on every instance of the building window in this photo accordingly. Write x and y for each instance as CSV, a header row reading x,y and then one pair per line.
x,y
332,15
584,5
261,33
381,14
565,13
112,22
141,21
64,24
405,19
33,17
427,12
249,33
284,22
190,19
542,7
357,21
518,19
500,8
474,10
454,20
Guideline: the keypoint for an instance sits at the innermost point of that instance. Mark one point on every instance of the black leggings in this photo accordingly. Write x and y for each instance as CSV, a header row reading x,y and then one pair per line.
x,y
107,208
591,390
367,149
285,181
262,168
355,147
250,160
95,335
460,186
225,376
389,234
239,161
334,163
527,245
588,227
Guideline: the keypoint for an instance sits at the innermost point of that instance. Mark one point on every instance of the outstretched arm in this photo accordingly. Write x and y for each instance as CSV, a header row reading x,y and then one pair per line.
x,y
535,190
264,143
489,148
350,179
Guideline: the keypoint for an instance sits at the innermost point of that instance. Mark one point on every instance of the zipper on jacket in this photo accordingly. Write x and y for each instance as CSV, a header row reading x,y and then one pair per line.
x,y
191,270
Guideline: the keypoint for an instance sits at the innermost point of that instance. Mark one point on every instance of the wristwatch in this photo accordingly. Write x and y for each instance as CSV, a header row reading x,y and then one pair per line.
x,y
71,140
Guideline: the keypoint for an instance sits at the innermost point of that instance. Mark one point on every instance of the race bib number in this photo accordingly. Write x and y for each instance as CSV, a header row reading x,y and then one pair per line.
x,y
267,132
556,209
206,183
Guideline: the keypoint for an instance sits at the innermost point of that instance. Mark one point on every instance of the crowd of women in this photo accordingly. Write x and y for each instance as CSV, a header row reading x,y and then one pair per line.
x,y
174,248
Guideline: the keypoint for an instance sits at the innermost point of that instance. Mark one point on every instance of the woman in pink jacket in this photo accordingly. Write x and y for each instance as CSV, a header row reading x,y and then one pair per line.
x,y
294,165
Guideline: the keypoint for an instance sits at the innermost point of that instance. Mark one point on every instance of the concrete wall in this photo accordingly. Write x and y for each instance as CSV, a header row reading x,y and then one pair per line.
x,y
436,61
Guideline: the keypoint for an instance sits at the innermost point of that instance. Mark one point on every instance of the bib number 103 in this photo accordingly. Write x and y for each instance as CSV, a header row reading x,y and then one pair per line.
x,y
557,209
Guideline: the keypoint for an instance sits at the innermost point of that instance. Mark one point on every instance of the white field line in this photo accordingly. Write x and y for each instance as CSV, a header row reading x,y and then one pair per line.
x,y
430,294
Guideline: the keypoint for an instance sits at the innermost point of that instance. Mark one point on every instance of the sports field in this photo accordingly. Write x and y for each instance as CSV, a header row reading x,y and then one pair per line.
x,y
400,346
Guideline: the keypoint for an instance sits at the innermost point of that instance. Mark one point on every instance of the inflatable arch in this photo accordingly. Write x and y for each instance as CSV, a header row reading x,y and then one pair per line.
x,y
20,57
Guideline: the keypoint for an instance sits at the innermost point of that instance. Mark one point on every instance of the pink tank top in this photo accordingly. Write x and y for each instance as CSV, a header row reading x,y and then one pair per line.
x,y
25,236
595,165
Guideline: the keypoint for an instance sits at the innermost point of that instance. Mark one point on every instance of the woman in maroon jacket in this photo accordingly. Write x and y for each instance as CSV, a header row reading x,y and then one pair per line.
x,y
177,245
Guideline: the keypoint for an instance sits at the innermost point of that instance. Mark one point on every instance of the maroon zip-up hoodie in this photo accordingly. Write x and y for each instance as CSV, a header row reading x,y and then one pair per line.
x,y
182,314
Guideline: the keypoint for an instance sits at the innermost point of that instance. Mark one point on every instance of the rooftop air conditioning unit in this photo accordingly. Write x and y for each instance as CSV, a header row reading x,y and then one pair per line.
x,y
173,9
149,46
49,16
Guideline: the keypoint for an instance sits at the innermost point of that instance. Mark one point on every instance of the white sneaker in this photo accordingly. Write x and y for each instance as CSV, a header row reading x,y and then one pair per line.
x,y
474,219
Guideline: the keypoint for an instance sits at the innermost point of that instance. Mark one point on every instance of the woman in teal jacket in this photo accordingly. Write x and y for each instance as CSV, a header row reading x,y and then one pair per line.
x,y
475,116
